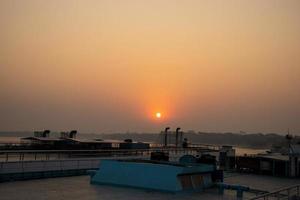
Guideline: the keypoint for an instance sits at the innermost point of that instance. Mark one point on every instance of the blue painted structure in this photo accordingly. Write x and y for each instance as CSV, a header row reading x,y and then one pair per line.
x,y
239,189
154,175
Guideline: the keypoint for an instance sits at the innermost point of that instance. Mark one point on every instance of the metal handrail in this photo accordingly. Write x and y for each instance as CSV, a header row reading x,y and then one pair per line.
x,y
277,192
99,150
58,154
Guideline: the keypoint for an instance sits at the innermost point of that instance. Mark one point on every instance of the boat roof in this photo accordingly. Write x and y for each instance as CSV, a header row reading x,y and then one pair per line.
x,y
177,164
86,140
46,139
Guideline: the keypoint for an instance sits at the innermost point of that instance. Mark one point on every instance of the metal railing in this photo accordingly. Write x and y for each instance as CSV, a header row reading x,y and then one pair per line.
x,y
43,166
31,155
291,192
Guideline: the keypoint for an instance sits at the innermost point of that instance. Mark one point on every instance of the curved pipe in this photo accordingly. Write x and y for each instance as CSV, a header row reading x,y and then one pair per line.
x,y
166,137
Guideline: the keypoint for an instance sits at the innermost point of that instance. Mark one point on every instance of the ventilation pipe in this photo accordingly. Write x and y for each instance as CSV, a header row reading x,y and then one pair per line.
x,y
166,137
177,135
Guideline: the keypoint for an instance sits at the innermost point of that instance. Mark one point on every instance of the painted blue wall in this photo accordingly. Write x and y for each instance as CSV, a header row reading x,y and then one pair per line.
x,y
144,175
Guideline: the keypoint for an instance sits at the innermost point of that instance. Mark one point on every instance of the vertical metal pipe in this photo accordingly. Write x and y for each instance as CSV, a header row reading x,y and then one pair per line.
x,y
180,140
166,137
177,135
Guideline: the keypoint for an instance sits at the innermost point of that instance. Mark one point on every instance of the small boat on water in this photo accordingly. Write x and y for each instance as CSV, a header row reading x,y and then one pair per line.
x,y
186,175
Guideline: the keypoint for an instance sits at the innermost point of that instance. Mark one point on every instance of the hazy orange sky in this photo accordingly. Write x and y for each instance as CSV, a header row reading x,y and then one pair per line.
x,y
110,65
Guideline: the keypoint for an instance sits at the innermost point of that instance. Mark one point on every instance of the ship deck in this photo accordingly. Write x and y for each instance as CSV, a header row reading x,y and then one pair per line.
x,y
75,188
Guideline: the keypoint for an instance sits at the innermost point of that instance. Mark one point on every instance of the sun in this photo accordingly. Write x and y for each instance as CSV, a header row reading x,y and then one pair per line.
x,y
158,115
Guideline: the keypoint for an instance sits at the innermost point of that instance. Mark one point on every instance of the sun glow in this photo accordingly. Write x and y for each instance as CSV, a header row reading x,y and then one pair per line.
x,y
158,115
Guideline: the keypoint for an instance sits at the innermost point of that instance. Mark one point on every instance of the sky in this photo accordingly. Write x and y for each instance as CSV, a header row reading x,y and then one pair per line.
x,y
110,65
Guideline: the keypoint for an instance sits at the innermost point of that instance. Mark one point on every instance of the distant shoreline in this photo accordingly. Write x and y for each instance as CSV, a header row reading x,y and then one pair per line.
x,y
254,141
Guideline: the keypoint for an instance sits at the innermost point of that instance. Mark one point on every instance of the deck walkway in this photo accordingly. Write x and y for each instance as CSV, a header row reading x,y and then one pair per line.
x,y
33,164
